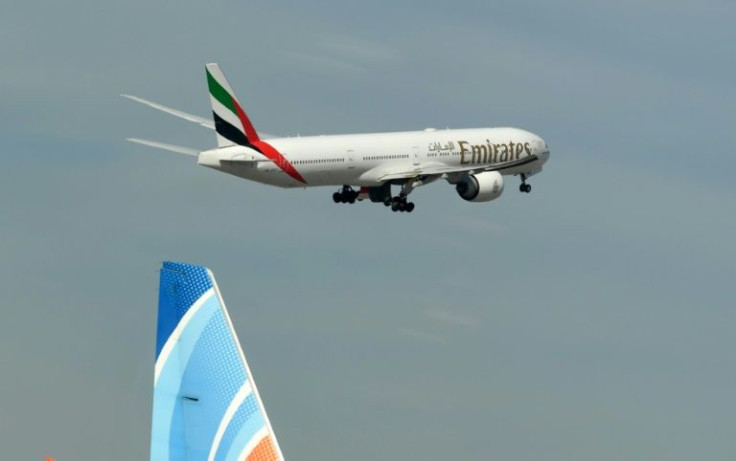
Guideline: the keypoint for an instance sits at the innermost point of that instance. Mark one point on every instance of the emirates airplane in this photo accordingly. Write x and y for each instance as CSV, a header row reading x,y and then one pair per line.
x,y
363,166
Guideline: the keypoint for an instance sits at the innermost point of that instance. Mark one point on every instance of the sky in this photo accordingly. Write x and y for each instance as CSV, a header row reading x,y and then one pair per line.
x,y
592,319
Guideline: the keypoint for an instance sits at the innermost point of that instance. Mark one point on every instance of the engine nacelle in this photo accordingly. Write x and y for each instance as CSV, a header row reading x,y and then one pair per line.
x,y
481,187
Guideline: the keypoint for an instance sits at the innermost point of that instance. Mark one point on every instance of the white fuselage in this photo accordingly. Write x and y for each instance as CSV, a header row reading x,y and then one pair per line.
x,y
363,159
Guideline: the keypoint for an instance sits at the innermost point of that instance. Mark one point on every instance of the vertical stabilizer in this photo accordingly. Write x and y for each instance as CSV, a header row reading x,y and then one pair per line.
x,y
205,404
231,122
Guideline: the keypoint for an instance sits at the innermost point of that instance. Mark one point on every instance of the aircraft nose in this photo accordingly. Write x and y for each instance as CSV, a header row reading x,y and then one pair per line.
x,y
543,149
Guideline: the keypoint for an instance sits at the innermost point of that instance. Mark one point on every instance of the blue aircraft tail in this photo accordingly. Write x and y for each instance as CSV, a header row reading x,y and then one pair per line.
x,y
205,404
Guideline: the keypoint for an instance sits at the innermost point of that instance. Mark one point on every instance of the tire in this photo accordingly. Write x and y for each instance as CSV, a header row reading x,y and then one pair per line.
x,y
410,207
336,197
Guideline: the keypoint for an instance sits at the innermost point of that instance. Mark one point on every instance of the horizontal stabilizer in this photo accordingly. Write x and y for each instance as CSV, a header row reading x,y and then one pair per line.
x,y
164,146
241,158
207,123
175,112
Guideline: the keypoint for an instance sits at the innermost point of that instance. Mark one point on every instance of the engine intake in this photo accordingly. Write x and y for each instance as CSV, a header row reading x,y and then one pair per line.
x,y
481,187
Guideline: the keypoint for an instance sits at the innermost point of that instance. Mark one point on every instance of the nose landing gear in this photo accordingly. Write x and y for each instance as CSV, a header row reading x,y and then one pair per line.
x,y
524,187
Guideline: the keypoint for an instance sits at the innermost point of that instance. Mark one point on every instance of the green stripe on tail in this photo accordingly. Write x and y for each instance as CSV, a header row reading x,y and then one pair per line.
x,y
220,93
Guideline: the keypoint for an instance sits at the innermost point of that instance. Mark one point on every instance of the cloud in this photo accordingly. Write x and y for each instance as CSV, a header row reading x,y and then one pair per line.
x,y
324,63
439,325
454,318
344,54
360,50
422,335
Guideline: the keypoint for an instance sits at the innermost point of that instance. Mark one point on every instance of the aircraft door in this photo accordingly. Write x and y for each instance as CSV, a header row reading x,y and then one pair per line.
x,y
415,156
351,159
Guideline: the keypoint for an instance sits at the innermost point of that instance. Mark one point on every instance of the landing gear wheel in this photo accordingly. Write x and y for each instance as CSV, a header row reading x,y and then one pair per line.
x,y
524,187
387,201
345,195
400,204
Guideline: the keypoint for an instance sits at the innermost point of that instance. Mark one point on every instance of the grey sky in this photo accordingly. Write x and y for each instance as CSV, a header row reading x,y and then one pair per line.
x,y
591,319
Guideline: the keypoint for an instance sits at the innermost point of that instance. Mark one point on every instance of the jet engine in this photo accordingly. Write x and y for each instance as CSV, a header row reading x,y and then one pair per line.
x,y
481,187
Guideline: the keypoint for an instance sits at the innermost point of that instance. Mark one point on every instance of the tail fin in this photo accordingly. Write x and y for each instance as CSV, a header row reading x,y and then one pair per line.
x,y
205,402
231,123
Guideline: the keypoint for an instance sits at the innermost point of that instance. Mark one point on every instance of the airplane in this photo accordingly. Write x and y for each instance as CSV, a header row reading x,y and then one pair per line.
x,y
206,406
473,160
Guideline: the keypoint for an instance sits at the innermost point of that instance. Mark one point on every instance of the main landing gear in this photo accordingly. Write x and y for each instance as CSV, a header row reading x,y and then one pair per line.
x,y
345,195
381,194
524,187
399,204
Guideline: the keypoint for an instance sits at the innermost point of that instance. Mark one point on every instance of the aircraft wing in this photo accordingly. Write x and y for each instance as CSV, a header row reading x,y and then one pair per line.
x,y
437,169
